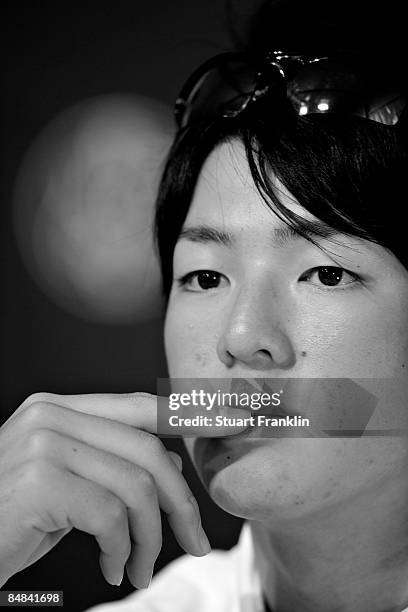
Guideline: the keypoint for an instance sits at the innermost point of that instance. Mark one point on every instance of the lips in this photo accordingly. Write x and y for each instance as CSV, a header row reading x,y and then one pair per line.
x,y
212,455
216,452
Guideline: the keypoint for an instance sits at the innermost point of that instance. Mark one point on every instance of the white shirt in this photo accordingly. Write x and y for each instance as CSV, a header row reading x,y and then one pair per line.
x,y
222,581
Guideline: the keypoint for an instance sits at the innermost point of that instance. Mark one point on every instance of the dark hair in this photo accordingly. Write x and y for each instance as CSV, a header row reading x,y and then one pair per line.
x,y
348,172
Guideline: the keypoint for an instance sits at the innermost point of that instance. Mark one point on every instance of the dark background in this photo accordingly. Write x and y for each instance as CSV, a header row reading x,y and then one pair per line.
x,y
54,56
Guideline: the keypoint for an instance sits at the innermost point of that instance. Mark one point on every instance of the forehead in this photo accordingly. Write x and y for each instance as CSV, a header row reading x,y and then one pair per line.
x,y
226,193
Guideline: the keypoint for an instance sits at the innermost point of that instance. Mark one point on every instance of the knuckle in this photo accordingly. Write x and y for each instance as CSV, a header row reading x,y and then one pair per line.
x,y
190,508
40,442
146,482
153,443
38,397
115,511
36,413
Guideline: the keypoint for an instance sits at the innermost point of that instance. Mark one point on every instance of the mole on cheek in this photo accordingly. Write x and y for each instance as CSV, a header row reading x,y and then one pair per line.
x,y
303,353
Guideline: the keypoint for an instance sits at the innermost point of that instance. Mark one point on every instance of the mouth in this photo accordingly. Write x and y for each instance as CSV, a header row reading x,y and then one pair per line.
x,y
212,455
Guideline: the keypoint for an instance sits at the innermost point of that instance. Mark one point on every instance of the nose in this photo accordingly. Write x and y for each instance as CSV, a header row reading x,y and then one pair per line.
x,y
254,336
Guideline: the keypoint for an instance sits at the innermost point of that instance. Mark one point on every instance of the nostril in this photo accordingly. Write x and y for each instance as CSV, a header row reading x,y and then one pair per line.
x,y
262,357
229,360
282,357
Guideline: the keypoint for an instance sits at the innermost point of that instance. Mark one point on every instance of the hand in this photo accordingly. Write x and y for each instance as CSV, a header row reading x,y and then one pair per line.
x,y
92,462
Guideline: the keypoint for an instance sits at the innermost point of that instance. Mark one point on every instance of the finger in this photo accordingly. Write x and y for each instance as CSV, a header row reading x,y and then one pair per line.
x,y
141,410
136,446
130,483
73,501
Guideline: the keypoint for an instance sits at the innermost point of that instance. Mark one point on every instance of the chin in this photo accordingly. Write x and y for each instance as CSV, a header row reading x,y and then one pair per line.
x,y
255,500
249,490
266,481
235,499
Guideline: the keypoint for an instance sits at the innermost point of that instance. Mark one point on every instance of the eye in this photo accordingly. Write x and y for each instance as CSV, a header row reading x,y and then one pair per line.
x,y
202,280
330,276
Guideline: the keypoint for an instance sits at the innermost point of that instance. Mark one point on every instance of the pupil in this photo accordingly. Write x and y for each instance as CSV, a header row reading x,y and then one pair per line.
x,y
207,280
330,276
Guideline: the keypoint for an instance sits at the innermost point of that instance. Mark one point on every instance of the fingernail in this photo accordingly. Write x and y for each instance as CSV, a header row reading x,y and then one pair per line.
x,y
116,580
145,583
204,543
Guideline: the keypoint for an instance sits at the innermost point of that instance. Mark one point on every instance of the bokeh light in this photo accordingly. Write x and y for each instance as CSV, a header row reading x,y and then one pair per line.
x,y
84,207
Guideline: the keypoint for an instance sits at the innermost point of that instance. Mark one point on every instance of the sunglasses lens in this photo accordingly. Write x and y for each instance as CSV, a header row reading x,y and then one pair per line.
x,y
331,87
225,85
221,90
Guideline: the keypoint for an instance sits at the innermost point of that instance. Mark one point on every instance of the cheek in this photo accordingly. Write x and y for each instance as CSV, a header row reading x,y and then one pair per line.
x,y
363,342
190,343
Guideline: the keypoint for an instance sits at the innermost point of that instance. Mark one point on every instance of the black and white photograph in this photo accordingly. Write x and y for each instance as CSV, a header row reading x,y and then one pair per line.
x,y
205,306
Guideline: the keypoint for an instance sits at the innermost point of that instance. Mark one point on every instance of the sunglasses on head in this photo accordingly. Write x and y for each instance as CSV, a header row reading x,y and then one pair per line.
x,y
229,83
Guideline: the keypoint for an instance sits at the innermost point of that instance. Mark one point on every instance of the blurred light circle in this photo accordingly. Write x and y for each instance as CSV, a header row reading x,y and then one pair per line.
x,y
84,207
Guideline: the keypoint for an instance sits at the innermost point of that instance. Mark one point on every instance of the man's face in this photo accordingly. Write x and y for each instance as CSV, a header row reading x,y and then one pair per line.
x,y
273,305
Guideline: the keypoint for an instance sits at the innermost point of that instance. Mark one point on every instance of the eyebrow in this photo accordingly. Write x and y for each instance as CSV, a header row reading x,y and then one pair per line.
x,y
281,236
